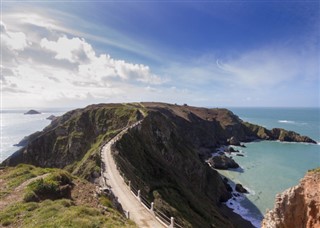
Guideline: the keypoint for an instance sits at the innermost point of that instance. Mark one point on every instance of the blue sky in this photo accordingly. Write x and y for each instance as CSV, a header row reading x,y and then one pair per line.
x,y
207,53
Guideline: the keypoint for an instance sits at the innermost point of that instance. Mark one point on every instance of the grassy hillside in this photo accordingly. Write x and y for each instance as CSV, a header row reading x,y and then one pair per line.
x,y
73,140
36,197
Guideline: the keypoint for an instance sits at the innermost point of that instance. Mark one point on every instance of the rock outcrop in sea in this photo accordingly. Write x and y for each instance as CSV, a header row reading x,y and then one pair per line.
x,y
298,206
32,112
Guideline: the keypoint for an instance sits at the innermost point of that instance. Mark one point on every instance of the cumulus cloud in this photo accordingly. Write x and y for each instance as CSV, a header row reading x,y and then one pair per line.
x,y
63,68
73,50
93,67
13,40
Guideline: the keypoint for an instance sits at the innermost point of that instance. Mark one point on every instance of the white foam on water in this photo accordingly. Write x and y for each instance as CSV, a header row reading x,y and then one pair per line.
x,y
292,122
287,121
235,205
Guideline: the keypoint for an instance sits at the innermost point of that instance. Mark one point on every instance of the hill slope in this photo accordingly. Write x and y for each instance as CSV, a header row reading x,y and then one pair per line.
x,y
42,197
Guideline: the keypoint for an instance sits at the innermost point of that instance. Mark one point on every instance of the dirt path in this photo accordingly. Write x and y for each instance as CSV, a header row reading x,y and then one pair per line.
x,y
17,194
138,213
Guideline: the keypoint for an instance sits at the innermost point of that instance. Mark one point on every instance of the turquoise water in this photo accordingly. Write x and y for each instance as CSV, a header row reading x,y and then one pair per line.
x,y
269,167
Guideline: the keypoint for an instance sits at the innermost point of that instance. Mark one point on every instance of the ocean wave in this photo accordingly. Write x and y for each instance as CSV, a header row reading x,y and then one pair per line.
x,y
235,205
304,143
287,121
291,122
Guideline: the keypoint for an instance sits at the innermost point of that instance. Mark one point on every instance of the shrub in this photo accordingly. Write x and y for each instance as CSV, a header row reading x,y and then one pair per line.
x,y
55,186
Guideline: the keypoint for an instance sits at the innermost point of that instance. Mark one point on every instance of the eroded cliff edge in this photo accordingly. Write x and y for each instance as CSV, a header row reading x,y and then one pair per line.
x,y
164,157
298,206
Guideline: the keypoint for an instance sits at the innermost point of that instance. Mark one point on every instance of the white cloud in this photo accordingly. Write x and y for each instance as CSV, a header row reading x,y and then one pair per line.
x,y
13,40
66,69
73,50
94,67
270,67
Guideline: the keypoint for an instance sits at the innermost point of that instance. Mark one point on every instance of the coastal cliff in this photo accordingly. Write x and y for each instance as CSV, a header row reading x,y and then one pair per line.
x,y
164,157
298,206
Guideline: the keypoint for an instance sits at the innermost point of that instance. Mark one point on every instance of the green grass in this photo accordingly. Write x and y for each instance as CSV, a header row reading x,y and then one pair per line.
x,y
105,201
315,170
113,119
49,187
59,213
54,213
15,176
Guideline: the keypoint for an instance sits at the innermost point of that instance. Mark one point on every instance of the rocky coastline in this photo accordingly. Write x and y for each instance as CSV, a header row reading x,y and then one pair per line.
x,y
298,206
168,156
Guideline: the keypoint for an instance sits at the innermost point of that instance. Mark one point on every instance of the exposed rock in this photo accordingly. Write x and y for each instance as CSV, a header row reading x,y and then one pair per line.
x,y
231,149
289,136
228,187
51,117
234,141
254,132
222,162
241,189
27,139
22,142
241,155
298,206
32,112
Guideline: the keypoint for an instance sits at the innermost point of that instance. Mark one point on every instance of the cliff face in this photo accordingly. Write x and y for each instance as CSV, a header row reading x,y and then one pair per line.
x,y
73,140
298,206
160,160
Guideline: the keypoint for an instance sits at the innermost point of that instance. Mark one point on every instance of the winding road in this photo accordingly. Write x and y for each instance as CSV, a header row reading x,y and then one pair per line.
x,y
137,212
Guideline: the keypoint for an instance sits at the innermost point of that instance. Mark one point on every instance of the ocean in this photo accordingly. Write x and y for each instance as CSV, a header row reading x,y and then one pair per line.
x,y
267,167
15,126
270,167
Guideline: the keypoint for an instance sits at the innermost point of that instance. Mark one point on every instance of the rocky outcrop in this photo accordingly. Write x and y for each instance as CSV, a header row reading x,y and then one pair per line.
x,y
32,112
234,141
27,139
240,188
298,206
222,162
51,117
289,136
257,132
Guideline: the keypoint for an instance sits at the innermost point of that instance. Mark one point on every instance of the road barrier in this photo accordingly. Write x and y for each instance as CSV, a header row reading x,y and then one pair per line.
x,y
166,220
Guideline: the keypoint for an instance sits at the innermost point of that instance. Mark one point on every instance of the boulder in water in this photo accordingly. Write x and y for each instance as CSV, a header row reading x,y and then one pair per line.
x,y
241,189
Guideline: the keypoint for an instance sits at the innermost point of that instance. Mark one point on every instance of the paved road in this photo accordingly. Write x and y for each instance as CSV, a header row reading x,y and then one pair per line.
x,y
138,213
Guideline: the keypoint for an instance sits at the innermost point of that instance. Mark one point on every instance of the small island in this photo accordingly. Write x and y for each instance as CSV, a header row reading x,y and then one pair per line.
x,y
32,112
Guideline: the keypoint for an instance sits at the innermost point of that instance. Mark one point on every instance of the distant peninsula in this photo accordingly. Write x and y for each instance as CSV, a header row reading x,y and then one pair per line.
x,y
32,112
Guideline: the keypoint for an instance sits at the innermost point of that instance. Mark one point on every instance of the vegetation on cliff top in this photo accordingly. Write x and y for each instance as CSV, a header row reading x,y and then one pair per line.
x,y
79,208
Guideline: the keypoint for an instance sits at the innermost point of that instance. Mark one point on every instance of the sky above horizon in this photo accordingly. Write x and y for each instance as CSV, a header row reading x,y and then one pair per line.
x,y
207,53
